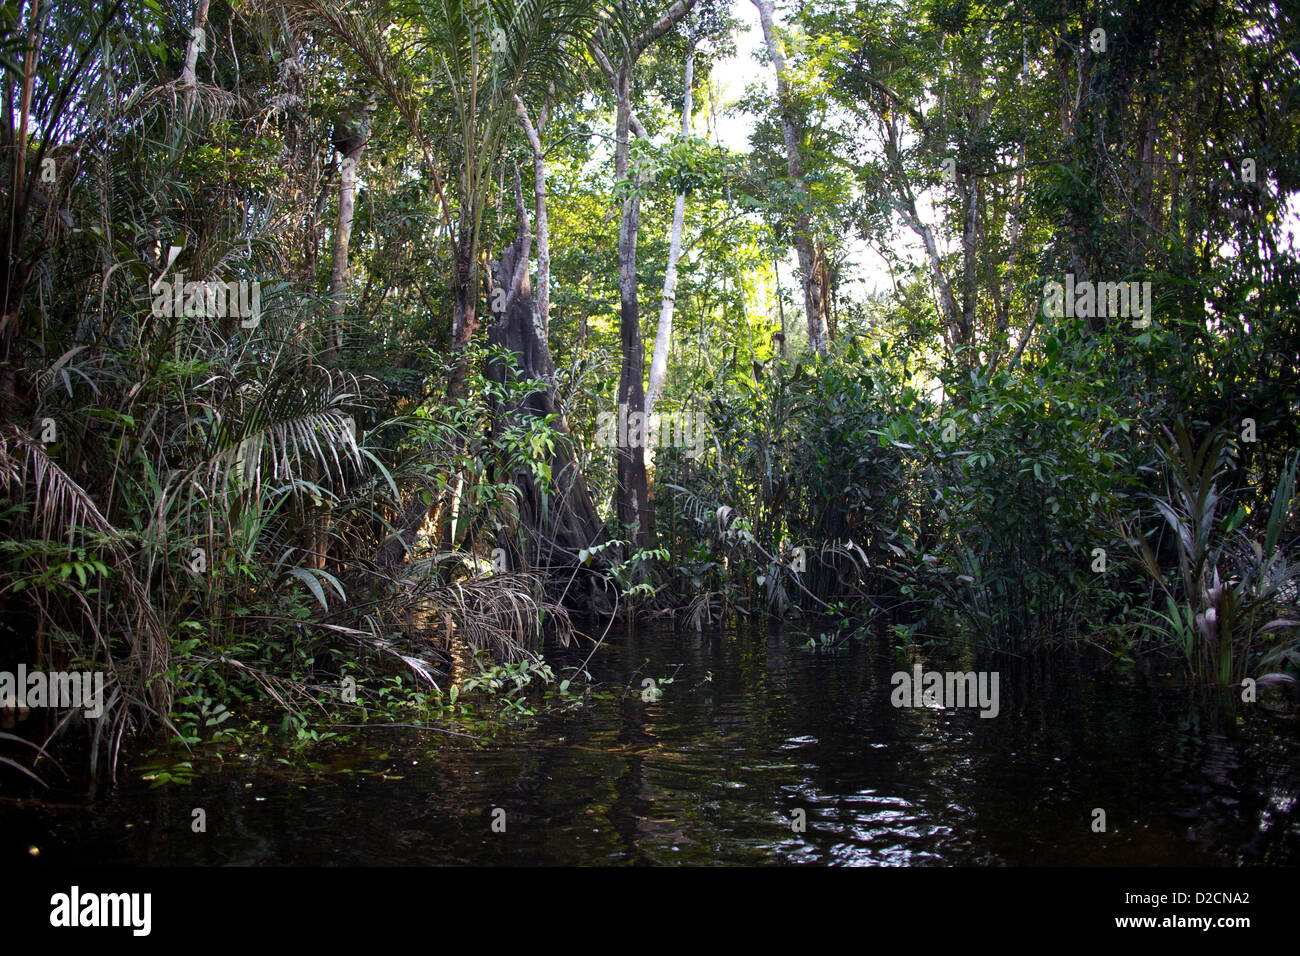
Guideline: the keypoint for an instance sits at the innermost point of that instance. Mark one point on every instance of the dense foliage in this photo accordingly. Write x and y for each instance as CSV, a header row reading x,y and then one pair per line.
x,y
282,403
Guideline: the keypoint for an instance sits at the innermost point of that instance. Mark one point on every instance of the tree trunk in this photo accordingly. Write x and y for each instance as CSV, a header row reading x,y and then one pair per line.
x,y
560,518
534,136
351,134
813,279
664,334
905,204
632,497
464,311
632,501
196,45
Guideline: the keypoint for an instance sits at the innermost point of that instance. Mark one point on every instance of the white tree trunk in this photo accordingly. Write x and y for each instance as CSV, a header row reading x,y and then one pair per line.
x,y
188,75
357,125
664,334
342,238
540,224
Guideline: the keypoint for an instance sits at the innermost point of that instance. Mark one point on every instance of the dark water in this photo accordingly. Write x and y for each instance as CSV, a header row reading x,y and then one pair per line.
x,y
752,728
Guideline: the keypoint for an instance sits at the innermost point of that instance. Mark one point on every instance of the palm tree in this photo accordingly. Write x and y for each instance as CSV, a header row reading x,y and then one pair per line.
x,y
42,91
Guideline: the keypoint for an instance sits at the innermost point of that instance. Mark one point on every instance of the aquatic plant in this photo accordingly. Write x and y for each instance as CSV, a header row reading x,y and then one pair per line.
x,y
1230,588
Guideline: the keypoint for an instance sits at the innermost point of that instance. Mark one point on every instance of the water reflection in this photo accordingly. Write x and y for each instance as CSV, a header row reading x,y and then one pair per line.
x,y
751,731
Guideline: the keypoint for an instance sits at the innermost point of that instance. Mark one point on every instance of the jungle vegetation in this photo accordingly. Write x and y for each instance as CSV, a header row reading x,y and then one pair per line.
x,y
331,329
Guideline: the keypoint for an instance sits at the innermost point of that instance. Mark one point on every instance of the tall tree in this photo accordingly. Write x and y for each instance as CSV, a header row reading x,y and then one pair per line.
x,y
664,333
812,264
351,134
632,499
558,518
534,137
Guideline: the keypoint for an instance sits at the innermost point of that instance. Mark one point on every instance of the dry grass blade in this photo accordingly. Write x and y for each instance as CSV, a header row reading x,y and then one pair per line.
x,y
60,505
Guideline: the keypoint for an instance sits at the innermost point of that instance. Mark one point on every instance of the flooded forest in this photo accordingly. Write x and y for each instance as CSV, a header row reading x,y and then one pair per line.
x,y
604,432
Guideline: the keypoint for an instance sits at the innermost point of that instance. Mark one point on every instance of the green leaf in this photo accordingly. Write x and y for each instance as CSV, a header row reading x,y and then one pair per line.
x,y
302,574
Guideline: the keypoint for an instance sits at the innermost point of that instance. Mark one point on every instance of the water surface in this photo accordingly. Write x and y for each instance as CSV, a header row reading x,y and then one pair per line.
x,y
752,729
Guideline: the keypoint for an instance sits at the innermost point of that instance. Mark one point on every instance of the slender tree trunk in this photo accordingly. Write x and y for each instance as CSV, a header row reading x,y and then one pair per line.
x,y
464,312
905,204
633,497
780,306
196,45
350,138
464,323
664,334
534,136
339,269
814,290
